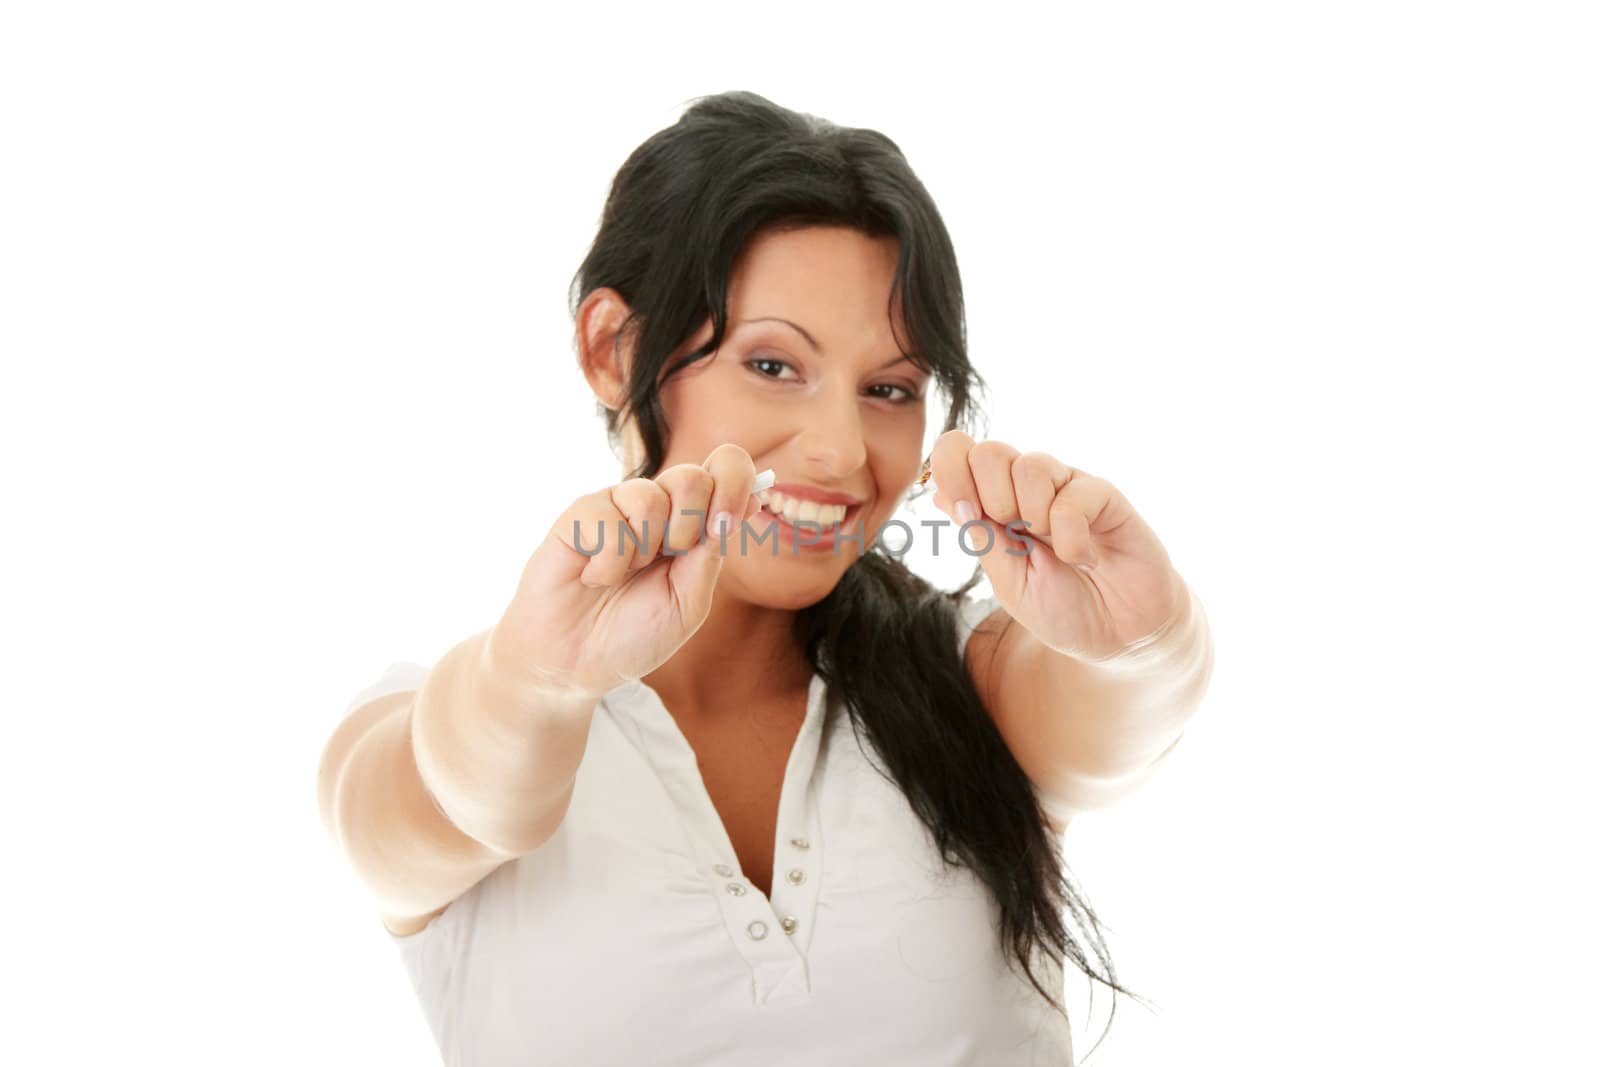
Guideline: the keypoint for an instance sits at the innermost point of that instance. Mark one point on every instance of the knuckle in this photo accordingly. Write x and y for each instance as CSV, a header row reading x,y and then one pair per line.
x,y
697,492
991,453
685,479
656,506
728,453
635,493
1034,461
1034,468
642,498
671,477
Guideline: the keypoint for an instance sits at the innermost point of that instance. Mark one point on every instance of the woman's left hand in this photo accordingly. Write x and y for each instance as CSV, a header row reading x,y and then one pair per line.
x,y
1095,578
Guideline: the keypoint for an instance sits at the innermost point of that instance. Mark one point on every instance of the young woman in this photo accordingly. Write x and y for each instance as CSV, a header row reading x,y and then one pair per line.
x,y
727,783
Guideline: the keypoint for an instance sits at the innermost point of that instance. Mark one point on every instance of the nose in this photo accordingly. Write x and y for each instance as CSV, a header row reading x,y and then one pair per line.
x,y
833,443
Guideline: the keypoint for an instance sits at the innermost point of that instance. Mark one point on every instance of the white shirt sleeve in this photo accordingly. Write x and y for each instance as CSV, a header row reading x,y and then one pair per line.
x,y
969,613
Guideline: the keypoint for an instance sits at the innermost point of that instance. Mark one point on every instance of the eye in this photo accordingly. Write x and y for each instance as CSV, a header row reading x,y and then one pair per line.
x,y
760,363
909,395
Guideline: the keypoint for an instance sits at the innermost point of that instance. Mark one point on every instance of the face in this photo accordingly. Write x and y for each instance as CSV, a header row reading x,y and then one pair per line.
x,y
812,383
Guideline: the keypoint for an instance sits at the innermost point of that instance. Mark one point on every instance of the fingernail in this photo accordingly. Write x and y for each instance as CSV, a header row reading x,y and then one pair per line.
x,y
723,523
965,511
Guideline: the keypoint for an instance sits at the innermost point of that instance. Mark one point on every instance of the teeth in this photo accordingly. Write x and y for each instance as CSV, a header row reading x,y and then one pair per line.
x,y
793,511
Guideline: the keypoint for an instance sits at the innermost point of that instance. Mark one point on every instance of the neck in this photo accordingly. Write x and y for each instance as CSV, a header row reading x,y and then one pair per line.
x,y
743,655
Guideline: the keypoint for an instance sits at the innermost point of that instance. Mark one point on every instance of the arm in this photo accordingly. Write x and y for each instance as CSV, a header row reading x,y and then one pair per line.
x,y
427,792
1087,732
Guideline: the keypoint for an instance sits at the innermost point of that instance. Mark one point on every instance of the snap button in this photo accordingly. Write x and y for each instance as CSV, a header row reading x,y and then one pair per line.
x,y
797,876
736,889
789,923
799,842
724,870
758,930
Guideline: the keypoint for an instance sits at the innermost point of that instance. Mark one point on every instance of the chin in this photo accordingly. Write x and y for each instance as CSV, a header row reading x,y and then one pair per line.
x,y
781,583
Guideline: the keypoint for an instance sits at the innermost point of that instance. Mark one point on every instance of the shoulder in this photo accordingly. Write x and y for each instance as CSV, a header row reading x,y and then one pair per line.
x,y
974,611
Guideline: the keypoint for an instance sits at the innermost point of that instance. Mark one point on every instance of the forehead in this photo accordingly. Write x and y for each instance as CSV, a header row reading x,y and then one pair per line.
x,y
829,279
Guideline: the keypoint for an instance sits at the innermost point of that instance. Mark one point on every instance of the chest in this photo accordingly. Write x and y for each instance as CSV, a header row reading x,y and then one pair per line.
x,y
863,922
743,772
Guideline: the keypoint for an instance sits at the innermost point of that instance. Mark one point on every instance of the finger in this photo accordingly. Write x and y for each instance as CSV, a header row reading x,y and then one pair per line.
x,y
956,477
990,463
1078,508
952,476
644,505
588,531
1037,477
689,486
733,476
692,577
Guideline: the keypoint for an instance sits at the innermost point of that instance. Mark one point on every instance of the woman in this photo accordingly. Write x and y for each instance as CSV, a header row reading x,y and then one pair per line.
x,y
726,782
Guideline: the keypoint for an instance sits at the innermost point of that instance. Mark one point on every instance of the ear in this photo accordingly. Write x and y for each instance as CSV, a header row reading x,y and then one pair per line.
x,y
601,353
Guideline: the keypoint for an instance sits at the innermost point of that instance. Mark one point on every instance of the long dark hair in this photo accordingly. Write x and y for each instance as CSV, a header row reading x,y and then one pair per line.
x,y
680,210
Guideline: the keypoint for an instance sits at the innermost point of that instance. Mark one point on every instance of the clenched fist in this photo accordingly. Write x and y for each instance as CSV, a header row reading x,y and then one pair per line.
x,y
625,576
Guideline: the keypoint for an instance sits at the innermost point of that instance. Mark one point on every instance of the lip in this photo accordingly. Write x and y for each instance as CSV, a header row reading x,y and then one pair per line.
x,y
796,491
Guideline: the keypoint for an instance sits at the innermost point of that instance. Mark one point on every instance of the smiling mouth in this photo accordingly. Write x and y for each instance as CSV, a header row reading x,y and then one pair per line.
x,y
795,509
822,532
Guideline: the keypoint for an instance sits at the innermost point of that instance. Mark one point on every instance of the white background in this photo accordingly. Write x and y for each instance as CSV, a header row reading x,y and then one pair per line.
x,y
289,394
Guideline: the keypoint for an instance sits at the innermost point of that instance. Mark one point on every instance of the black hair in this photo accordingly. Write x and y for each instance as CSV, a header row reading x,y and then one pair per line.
x,y
681,209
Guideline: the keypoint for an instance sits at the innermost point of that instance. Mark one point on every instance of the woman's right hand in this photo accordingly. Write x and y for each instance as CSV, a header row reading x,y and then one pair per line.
x,y
583,622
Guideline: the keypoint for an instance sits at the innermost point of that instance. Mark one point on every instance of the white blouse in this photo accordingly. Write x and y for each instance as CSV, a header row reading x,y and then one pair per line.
x,y
631,937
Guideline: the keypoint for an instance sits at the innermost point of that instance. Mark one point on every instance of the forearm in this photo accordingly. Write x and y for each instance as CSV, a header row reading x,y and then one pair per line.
x,y
1130,709
442,785
498,756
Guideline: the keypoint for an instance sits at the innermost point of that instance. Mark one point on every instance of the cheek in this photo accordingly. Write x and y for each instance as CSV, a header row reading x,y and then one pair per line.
x,y
703,412
897,454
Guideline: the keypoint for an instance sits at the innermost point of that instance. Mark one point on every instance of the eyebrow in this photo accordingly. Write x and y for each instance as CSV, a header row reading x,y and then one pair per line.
x,y
803,332
795,326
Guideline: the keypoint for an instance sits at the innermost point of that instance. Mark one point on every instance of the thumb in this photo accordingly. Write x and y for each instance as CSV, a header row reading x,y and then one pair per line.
x,y
693,575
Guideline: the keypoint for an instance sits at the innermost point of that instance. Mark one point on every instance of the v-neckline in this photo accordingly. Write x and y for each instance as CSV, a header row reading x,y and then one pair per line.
x,y
770,929
673,755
